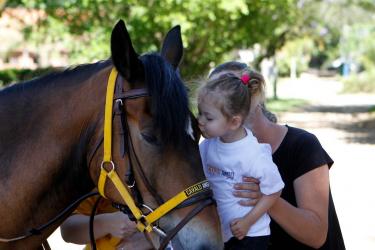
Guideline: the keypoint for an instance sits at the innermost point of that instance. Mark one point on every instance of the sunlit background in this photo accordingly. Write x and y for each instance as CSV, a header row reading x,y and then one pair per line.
x,y
318,58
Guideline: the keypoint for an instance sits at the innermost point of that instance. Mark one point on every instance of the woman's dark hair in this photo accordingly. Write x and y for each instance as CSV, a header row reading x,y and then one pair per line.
x,y
229,66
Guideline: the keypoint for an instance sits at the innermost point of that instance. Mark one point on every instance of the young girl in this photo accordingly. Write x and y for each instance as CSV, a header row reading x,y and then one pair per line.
x,y
229,152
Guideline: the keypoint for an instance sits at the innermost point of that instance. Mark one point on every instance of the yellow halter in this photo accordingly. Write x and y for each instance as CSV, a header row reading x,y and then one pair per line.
x,y
144,222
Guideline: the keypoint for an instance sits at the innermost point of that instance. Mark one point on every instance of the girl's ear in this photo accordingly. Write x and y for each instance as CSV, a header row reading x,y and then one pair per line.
x,y
235,122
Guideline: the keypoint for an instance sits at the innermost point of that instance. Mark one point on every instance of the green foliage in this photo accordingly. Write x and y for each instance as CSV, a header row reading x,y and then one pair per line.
x,y
17,75
365,54
297,52
211,28
360,83
365,4
284,105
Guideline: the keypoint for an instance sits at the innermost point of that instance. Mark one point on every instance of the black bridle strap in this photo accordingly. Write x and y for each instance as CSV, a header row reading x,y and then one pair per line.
x,y
185,220
153,192
131,94
121,95
91,224
45,245
39,230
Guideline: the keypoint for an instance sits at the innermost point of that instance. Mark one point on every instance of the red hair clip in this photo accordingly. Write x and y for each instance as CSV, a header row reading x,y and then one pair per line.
x,y
245,79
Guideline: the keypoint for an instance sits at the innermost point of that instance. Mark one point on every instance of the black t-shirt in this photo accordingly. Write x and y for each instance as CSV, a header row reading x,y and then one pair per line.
x,y
299,153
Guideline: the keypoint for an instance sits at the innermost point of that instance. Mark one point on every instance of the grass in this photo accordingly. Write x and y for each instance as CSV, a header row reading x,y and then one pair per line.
x,y
284,105
360,83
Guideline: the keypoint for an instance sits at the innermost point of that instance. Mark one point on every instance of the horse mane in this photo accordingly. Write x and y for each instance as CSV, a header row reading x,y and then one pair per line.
x,y
169,100
79,72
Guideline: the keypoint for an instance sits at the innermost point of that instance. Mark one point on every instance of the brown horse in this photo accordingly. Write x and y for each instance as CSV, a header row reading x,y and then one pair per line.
x,y
51,145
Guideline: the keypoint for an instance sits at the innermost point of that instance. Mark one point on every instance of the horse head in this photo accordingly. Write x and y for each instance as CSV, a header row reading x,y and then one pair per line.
x,y
155,143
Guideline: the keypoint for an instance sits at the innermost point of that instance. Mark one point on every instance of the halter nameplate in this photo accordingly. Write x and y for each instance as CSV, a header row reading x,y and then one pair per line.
x,y
144,222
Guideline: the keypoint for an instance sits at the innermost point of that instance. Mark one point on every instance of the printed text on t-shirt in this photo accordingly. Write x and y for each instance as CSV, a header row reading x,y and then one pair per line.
x,y
217,171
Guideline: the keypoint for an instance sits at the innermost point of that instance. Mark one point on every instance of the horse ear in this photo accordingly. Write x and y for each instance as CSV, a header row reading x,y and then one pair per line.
x,y
124,57
172,48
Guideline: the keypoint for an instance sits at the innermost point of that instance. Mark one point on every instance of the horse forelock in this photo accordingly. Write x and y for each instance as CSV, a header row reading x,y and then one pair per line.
x,y
169,100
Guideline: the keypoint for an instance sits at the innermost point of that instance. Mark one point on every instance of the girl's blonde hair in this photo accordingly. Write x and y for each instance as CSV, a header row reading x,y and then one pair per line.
x,y
239,69
257,90
232,93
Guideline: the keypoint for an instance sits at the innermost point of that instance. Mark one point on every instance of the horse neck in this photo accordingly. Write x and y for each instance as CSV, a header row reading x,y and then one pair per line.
x,y
44,151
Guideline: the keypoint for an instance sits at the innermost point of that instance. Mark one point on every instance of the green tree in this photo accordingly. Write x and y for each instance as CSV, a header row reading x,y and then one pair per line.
x,y
2,5
211,28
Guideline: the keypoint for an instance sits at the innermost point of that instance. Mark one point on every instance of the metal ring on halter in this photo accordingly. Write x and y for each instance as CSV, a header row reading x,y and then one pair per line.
x,y
132,185
120,100
159,231
148,208
103,162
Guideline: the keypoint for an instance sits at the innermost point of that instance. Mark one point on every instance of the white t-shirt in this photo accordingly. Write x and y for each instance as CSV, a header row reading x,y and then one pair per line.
x,y
225,164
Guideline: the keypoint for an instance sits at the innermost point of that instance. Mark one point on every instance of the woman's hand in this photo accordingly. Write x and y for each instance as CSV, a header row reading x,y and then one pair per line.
x,y
118,224
136,241
248,189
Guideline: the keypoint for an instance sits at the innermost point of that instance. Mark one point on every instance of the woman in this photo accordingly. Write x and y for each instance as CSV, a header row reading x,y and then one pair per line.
x,y
304,217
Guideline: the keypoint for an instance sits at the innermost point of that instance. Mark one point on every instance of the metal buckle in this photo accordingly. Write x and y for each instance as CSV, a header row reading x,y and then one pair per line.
x,y
112,164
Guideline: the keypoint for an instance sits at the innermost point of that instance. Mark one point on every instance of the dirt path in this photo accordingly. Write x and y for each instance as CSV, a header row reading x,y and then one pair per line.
x,y
347,132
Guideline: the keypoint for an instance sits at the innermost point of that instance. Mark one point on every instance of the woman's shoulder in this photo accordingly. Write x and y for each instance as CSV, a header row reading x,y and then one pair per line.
x,y
300,142
306,148
294,131
300,136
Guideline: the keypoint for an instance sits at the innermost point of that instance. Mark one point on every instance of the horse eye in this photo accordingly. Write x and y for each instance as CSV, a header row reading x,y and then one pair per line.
x,y
152,139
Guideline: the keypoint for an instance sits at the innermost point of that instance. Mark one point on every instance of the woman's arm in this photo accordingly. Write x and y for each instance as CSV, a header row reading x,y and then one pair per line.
x,y
308,222
75,228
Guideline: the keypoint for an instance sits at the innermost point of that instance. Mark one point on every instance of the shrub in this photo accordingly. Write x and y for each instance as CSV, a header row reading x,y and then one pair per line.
x,y
9,76
363,82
